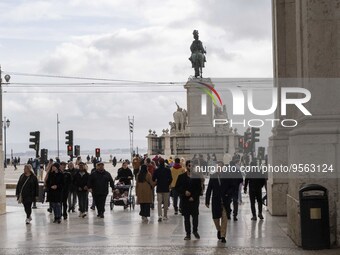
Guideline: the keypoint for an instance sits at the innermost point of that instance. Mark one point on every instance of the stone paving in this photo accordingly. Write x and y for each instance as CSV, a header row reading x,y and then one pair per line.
x,y
122,231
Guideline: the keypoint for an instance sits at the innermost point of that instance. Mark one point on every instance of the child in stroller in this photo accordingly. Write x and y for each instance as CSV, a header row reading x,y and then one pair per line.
x,y
121,194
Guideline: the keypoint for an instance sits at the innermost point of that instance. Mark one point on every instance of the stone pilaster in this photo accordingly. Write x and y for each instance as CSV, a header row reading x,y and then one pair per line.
x,y
285,68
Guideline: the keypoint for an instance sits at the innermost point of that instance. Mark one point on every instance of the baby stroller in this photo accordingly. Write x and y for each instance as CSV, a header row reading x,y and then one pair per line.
x,y
122,196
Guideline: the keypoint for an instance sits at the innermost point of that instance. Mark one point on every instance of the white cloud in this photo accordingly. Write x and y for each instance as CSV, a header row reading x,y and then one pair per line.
x,y
130,40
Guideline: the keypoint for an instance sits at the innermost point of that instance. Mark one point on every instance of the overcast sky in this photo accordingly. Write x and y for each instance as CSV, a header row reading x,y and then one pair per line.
x,y
126,40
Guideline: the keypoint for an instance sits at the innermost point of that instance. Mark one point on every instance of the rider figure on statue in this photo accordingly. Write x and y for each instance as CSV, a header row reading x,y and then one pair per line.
x,y
197,55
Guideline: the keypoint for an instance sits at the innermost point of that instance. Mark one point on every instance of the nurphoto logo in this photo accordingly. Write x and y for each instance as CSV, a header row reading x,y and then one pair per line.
x,y
302,96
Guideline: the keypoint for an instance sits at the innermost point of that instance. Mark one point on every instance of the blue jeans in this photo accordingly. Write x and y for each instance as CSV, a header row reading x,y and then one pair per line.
x,y
175,197
56,206
83,201
72,200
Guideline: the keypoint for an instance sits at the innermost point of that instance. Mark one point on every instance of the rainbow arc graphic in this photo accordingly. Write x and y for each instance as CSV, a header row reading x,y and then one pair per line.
x,y
211,91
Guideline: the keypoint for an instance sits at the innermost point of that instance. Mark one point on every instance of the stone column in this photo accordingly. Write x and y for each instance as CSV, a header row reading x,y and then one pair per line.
x,y
167,146
317,138
285,68
150,149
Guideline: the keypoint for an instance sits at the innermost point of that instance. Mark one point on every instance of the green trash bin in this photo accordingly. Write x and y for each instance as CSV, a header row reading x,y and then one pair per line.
x,y
314,216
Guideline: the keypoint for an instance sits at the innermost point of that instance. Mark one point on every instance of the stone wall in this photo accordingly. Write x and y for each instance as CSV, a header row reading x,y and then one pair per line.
x,y
311,28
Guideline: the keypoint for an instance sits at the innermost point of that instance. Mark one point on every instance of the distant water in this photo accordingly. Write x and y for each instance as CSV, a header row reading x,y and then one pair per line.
x,y
105,157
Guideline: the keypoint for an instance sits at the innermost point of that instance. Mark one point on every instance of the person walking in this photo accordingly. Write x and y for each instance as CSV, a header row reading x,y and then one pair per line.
x,y
144,192
66,188
162,177
27,190
54,185
256,181
15,162
219,190
93,205
72,194
114,161
98,184
124,174
236,178
151,165
80,182
136,163
189,187
176,170
48,169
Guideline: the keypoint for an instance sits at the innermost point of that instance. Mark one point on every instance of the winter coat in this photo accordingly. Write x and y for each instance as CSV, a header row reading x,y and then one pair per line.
x,y
55,195
256,181
123,175
73,172
176,170
194,186
144,190
236,178
31,189
80,181
220,191
151,168
162,177
67,184
99,182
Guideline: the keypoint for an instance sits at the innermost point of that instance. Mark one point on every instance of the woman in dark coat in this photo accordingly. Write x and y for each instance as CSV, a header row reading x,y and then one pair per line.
x,y
144,192
189,186
80,181
54,185
28,187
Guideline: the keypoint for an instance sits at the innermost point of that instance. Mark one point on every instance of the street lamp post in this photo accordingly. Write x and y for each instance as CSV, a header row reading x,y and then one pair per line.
x,y
6,124
7,78
58,122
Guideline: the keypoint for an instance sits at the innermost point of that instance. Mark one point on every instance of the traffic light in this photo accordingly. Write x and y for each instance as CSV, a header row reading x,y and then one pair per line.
x,y
254,135
247,142
261,152
44,156
35,139
77,150
69,150
69,137
247,137
97,152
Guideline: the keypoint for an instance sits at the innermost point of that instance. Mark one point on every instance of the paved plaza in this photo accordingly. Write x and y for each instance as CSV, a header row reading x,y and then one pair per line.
x,y
123,232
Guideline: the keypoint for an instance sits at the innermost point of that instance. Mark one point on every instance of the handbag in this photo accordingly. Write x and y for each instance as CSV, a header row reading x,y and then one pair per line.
x,y
20,195
20,199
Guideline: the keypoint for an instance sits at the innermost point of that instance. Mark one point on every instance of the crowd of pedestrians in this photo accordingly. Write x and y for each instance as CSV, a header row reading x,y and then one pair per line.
x,y
69,183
